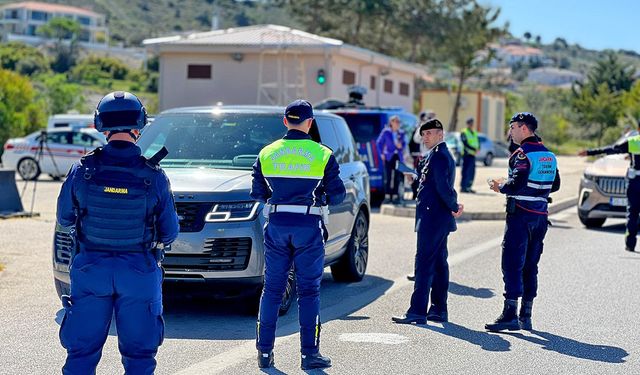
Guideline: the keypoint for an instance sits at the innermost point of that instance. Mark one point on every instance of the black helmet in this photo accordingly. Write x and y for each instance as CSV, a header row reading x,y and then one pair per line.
x,y
119,111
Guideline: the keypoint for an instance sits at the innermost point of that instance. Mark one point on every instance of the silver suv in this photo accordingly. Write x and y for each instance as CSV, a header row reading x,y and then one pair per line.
x,y
220,246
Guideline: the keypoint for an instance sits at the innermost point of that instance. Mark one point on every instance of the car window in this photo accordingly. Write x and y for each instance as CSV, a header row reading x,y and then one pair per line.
x,y
346,139
329,138
65,138
223,140
365,127
82,139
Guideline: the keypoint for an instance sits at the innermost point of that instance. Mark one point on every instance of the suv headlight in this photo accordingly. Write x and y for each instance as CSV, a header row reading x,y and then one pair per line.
x,y
589,177
232,211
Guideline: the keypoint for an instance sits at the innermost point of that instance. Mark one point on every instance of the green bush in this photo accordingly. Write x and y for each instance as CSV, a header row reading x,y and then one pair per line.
x,y
59,95
95,69
23,59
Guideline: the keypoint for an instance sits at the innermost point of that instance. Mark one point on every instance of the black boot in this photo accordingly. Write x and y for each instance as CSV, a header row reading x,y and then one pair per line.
x,y
438,314
265,359
508,320
525,315
311,361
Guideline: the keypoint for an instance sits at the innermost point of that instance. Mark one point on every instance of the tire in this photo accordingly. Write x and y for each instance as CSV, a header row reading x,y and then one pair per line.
x,y
458,159
593,222
55,178
61,288
28,169
287,299
488,160
353,264
377,199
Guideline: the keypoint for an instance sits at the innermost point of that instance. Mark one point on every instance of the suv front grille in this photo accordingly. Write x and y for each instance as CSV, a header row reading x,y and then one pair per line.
x,y
192,215
62,244
220,254
612,185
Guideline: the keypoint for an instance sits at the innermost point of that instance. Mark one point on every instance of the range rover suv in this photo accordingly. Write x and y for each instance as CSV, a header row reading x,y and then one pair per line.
x,y
220,246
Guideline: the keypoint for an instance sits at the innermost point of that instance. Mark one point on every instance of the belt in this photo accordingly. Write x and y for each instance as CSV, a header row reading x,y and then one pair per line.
x,y
528,198
296,209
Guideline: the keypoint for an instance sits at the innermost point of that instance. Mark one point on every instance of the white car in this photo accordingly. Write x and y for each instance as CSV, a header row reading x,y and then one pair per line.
x,y
53,155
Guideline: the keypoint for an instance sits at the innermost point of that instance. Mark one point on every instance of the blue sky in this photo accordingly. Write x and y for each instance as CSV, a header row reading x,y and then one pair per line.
x,y
594,24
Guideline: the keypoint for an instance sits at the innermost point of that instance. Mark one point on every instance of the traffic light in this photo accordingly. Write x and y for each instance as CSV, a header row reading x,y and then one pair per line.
x,y
320,78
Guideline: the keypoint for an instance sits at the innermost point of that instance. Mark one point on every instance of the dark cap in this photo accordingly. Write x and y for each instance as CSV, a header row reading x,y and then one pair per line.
x,y
526,118
470,120
434,123
298,111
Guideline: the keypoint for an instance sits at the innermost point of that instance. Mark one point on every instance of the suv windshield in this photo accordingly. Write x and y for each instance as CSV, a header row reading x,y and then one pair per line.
x,y
364,127
223,140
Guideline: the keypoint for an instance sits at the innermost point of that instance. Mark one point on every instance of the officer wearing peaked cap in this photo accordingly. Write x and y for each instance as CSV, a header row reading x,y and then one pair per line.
x,y
122,211
297,188
437,208
533,175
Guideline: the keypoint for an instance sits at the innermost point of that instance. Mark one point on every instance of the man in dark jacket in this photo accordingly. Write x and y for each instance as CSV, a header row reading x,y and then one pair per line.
x,y
437,208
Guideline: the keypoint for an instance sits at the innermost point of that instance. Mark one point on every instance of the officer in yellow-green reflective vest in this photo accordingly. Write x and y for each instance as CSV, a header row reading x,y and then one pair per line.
x,y
470,147
296,178
631,146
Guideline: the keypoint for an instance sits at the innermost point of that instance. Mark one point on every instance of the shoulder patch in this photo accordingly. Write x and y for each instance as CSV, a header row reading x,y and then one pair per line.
x,y
521,156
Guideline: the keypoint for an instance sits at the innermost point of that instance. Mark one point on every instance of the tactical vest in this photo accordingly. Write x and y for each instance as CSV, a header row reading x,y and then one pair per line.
x,y
472,140
115,210
294,158
543,167
634,145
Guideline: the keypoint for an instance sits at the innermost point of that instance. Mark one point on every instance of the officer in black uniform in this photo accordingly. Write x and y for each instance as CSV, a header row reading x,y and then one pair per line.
x,y
533,175
122,210
630,146
437,208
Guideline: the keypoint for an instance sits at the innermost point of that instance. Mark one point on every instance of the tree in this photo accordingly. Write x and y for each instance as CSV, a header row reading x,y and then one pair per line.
x,y
538,40
19,113
469,31
598,101
58,95
66,49
22,58
527,36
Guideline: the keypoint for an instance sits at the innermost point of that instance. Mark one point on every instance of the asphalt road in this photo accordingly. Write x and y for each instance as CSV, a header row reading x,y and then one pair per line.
x,y
585,318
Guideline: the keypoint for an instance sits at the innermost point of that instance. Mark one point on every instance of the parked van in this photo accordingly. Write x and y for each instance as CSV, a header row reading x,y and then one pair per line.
x,y
74,121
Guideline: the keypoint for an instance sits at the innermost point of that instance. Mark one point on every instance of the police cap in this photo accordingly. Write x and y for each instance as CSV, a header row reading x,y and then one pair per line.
x,y
526,118
434,123
118,111
298,111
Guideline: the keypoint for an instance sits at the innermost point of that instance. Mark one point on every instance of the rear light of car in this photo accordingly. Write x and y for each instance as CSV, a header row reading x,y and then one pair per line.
x,y
9,146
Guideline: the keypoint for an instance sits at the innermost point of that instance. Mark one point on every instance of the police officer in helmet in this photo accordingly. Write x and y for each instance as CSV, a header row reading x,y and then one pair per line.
x,y
297,178
122,213
630,146
533,175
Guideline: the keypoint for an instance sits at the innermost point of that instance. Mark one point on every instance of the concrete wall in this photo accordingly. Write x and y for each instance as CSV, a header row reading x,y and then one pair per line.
x,y
487,109
237,82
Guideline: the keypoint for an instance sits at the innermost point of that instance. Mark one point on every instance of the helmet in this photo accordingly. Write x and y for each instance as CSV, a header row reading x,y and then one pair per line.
x,y
526,118
120,110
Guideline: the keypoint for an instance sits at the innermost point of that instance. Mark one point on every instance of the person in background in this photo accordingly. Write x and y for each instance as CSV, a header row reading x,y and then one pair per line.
x,y
391,143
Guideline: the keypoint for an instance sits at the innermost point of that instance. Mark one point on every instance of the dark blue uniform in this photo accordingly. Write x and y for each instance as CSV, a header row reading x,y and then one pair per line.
x,y
120,206
630,146
294,237
533,175
436,201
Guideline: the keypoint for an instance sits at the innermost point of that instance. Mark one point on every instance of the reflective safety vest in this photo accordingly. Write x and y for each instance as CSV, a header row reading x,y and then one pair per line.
x,y
115,207
543,167
634,145
472,140
294,158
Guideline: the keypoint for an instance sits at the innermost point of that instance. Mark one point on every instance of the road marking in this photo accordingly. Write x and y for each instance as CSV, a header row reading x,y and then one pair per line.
x,y
234,356
374,338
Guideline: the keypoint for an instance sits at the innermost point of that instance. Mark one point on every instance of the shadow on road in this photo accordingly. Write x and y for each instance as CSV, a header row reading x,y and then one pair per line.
x,y
211,319
484,340
573,348
463,290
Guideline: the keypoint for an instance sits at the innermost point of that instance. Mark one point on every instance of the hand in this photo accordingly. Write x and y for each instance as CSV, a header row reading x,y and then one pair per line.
x,y
398,145
582,153
495,184
458,213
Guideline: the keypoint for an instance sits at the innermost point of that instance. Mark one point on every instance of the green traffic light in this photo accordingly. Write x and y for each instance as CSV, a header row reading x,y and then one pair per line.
x,y
321,80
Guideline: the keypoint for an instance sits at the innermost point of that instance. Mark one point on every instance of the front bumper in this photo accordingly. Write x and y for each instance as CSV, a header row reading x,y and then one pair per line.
x,y
593,203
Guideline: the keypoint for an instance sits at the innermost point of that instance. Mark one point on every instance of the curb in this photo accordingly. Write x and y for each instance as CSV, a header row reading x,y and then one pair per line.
x,y
402,211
